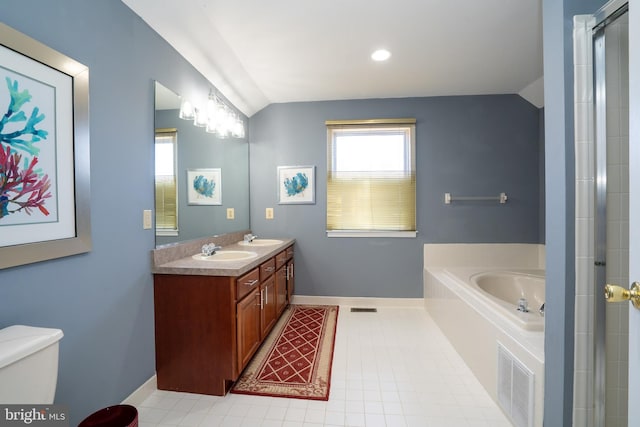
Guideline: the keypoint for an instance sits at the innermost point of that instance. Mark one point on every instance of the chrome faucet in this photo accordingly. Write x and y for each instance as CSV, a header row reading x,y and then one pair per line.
x,y
248,238
523,305
210,249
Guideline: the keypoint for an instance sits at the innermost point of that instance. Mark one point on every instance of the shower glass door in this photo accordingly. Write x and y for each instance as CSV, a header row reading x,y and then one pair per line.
x,y
611,321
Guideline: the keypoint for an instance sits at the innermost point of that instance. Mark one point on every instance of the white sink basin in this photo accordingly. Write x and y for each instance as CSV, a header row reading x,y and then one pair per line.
x,y
261,242
226,256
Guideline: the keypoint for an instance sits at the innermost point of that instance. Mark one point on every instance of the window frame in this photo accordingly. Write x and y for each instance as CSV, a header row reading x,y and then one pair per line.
x,y
408,125
167,231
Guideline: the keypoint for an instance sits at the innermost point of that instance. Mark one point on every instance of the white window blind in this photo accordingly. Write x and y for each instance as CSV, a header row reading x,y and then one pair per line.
x,y
371,178
166,185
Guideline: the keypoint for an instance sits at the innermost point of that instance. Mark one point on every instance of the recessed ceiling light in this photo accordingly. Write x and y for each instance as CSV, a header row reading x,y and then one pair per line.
x,y
381,55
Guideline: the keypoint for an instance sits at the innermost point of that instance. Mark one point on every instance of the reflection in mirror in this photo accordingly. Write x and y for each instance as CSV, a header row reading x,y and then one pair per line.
x,y
181,147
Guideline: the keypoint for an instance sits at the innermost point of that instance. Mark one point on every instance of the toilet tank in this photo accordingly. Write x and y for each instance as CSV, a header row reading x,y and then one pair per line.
x,y
28,364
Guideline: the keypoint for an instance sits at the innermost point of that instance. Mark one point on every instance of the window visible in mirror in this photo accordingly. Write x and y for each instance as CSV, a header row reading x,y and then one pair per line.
x,y
166,186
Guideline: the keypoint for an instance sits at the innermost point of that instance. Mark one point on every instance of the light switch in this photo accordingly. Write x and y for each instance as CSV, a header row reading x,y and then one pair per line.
x,y
231,213
146,219
269,213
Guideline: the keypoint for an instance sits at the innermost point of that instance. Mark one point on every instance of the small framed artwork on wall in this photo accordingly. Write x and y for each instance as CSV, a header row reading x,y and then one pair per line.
x,y
296,185
204,186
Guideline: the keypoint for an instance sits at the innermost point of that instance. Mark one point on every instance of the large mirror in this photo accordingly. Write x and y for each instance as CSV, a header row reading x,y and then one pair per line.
x,y
186,154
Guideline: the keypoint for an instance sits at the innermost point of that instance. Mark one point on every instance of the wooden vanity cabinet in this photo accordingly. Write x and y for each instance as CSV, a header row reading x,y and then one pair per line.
x,y
209,327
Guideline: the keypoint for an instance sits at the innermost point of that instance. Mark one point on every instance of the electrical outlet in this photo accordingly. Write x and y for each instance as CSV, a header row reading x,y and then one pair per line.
x,y
231,213
146,219
269,213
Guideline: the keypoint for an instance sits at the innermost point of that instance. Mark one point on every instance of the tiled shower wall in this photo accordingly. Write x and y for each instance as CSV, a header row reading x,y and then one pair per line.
x,y
585,184
617,315
617,222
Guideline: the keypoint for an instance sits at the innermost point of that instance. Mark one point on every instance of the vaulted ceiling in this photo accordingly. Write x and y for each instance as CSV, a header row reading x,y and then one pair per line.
x,y
260,52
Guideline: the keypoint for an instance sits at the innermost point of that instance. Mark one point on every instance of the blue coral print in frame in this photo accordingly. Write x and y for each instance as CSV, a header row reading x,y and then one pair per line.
x,y
204,186
36,152
296,184
45,177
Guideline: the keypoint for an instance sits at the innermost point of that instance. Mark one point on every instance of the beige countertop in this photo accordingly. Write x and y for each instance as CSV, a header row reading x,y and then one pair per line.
x,y
186,265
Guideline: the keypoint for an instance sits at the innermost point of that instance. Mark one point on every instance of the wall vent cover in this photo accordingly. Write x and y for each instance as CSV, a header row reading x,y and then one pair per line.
x,y
363,310
515,388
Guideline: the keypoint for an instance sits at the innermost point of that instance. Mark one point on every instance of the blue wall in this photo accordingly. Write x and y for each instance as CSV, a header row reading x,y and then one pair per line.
x,y
474,145
103,300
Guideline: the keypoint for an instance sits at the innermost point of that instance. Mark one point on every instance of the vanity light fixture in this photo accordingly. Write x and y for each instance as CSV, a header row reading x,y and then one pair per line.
x,y
381,55
216,117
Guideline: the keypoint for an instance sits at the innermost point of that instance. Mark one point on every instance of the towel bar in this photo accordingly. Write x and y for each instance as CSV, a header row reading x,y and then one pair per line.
x,y
448,198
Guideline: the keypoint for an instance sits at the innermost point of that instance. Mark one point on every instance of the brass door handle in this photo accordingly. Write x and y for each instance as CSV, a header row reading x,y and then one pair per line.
x,y
615,293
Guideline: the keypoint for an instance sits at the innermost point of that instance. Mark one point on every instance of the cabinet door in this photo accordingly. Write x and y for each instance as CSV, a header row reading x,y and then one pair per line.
x,y
269,315
281,289
248,327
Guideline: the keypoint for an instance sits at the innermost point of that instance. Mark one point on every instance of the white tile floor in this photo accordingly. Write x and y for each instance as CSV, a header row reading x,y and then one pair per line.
x,y
392,368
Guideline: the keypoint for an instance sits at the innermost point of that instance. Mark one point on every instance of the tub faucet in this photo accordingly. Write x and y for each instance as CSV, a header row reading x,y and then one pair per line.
x,y
248,238
210,249
541,310
523,305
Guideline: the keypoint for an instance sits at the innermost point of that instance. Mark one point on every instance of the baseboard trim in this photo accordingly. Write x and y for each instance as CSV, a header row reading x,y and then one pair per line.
x,y
142,393
359,301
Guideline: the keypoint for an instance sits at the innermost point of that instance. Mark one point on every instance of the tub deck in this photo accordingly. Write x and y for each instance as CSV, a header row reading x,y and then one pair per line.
x,y
472,321
525,328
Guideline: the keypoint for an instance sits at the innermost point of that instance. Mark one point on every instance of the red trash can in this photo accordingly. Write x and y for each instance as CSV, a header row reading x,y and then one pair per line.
x,y
112,416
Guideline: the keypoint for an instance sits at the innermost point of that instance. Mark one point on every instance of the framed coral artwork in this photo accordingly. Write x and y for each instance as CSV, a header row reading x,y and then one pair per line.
x,y
204,186
296,185
44,152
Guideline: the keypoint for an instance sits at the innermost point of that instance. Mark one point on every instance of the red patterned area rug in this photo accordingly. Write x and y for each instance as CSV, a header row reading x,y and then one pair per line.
x,y
295,359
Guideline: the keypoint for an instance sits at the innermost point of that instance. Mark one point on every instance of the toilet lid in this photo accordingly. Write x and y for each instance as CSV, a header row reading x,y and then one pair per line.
x,y
19,341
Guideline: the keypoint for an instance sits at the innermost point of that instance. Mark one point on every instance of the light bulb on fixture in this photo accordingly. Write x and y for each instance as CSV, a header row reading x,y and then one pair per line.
x,y
211,125
222,130
186,110
200,119
238,127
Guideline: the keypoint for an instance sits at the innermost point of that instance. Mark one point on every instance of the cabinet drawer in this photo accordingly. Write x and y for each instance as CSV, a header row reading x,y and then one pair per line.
x,y
267,268
289,251
281,259
246,283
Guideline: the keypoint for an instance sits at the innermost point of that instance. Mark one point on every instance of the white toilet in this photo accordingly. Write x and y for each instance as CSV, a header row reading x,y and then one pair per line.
x,y
28,364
